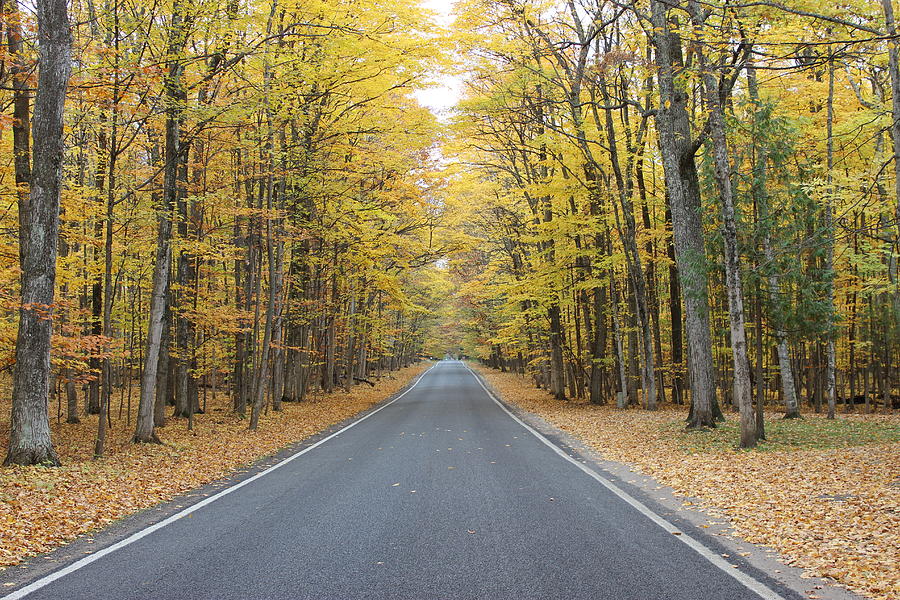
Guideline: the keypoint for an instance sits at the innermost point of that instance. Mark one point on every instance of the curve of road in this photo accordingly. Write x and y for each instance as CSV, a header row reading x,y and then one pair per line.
x,y
440,493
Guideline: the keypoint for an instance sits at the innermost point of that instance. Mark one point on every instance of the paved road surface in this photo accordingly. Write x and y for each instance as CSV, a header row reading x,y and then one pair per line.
x,y
440,494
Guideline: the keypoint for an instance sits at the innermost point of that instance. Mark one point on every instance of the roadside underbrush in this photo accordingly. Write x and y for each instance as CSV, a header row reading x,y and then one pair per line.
x,y
824,494
42,508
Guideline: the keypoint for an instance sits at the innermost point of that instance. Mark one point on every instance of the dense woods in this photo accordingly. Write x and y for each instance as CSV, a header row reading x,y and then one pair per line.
x,y
634,203
667,228
245,205
687,202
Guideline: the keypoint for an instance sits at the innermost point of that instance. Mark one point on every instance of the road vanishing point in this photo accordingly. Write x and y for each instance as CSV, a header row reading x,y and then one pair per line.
x,y
439,493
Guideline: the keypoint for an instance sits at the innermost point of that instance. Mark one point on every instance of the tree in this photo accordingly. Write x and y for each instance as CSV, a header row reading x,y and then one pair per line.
x,y
30,442
677,147
712,88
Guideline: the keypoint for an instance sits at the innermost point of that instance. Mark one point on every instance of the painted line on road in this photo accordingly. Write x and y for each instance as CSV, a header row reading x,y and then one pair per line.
x,y
759,588
81,563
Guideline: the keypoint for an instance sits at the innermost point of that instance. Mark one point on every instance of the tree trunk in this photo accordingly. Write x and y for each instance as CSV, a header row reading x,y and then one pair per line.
x,y
894,71
164,382
175,97
262,375
19,71
733,286
622,398
830,358
557,368
634,266
760,371
598,350
676,145
185,275
792,408
108,291
71,398
239,373
29,438
675,315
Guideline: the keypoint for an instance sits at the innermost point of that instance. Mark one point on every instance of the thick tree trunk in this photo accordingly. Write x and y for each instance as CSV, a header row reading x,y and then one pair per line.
x,y
29,438
146,421
676,145
164,383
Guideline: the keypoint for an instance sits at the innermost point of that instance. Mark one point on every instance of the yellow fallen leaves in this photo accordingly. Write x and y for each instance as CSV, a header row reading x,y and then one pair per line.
x,y
43,508
835,512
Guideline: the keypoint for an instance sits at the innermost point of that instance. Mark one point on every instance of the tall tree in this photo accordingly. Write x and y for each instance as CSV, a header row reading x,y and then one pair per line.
x,y
173,175
29,441
712,88
678,147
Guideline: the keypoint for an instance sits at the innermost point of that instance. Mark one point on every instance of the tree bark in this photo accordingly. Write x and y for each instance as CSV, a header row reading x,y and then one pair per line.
x,y
598,349
894,71
733,286
622,399
676,145
675,314
830,358
18,72
173,87
29,439
557,367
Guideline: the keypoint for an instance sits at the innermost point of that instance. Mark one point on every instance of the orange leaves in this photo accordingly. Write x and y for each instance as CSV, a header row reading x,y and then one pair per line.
x,y
830,508
43,508
43,311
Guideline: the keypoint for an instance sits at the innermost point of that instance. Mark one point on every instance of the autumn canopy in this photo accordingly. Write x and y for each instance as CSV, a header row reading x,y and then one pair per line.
x,y
637,204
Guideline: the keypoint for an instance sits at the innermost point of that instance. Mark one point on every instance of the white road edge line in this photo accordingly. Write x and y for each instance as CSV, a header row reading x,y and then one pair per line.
x,y
48,579
750,583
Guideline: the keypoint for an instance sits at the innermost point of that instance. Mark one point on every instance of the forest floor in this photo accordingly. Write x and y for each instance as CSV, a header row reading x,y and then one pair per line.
x,y
824,494
42,508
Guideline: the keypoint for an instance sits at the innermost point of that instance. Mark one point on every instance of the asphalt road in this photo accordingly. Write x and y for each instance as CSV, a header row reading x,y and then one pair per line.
x,y
440,494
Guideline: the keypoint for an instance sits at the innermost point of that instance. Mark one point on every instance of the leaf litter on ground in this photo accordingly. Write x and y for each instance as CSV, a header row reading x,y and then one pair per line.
x,y
824,493
42,508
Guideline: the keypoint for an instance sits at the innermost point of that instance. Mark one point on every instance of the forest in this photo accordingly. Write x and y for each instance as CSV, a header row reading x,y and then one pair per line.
x,y
246,202
671,227
634,203
692,202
